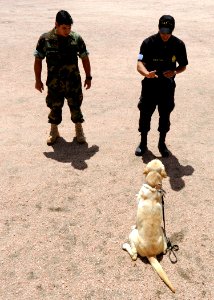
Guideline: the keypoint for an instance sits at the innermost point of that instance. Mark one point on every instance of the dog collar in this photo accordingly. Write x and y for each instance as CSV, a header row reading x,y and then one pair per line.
x,y
149,187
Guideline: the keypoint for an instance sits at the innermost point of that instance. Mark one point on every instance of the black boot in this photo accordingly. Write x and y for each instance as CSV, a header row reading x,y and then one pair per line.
x,y
164,151
142,148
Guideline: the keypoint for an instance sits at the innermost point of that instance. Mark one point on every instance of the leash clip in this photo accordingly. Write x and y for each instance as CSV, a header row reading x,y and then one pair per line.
x,y
162,192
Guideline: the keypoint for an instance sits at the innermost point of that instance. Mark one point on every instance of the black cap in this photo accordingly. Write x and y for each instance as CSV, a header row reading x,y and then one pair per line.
x,y
166,24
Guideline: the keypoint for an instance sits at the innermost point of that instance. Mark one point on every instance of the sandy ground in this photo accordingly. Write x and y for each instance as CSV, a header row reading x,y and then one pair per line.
x,y
65,210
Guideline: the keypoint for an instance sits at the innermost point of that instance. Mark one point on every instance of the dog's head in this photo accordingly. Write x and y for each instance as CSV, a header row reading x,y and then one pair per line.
x,y
155,165
154,179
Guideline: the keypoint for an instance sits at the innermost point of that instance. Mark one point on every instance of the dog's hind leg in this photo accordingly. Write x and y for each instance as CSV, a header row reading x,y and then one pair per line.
x,y
132,252
130,248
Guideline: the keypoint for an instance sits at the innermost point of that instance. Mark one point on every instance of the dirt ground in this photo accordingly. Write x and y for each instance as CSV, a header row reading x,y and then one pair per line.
x,y
65,210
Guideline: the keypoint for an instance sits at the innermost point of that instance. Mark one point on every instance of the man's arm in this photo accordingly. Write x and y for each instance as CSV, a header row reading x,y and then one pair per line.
x,y
87,68
38,71
172,73
181,60
143,71
180,69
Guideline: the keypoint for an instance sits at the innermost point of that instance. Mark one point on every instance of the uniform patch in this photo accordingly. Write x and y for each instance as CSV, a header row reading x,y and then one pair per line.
x,y
140,56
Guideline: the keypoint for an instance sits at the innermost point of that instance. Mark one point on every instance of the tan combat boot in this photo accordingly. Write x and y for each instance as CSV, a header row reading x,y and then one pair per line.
x,y
54,134
79,133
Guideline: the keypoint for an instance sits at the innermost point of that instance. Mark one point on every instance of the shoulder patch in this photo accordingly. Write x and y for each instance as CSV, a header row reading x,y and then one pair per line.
x,y
174,58
140,56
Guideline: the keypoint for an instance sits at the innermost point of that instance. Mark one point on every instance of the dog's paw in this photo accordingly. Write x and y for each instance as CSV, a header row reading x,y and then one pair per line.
x,y
164,251
123,246
134,257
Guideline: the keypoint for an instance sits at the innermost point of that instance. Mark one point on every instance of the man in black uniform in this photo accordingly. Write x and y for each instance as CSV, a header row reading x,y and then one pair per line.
x,y
161,57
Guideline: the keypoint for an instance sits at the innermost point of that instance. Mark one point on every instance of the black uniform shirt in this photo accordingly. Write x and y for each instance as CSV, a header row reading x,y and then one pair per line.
x,y
162,56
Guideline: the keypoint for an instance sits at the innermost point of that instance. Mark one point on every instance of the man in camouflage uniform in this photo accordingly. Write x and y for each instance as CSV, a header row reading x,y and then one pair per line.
x,y
62,47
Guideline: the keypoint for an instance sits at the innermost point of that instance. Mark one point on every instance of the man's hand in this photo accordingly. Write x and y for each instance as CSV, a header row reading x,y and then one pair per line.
x,y
151,74
87,84
39,86
169,73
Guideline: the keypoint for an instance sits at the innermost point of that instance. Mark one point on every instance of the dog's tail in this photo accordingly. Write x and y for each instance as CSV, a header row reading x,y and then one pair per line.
x,y
157,267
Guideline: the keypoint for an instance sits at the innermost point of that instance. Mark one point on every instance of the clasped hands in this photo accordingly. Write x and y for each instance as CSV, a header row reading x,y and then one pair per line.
x,y
168,74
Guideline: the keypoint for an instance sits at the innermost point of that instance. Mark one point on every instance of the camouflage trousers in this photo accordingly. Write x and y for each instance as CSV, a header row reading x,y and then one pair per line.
x,y
58,91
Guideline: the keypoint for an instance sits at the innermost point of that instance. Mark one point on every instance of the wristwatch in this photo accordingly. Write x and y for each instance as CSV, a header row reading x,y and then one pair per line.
x,y
89,77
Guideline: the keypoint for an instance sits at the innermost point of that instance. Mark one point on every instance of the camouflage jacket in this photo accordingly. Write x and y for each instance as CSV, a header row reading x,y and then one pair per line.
x,y
61,52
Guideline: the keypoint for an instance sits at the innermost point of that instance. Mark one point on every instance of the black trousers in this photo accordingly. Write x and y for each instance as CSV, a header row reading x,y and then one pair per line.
x,y
156,92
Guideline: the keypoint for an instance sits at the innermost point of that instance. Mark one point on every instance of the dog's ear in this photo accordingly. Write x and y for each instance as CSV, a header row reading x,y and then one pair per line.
x,y
163,173
146,171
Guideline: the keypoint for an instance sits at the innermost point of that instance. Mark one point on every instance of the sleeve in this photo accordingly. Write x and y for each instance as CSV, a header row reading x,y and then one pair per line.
x,y
40,51
82,51
182,55
143,52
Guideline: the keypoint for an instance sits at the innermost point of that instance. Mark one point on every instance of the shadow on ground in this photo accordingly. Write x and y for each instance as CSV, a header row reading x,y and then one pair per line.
x,y
174,169
72,152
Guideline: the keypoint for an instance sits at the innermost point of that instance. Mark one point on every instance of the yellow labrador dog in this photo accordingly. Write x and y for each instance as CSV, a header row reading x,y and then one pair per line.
x,y
147,238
